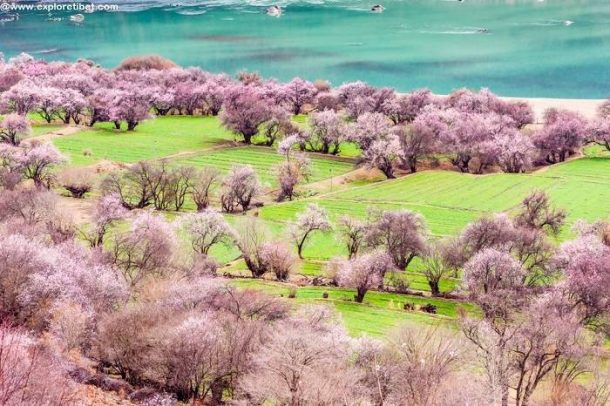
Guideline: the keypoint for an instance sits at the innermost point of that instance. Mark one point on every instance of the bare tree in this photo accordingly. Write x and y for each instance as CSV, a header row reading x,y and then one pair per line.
x,y
353,232
423,361
77,181
203,186
239,188
290,173
278,259
434,269
536,212
252,236
145,250
302,364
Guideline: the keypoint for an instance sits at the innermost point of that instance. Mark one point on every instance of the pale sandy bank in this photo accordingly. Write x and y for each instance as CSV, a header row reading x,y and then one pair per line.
x,y
587,108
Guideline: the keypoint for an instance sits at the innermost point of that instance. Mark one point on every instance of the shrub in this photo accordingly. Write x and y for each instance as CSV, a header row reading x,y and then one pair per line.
x,y
429,308
364,272
278,259
146,62
77,182
239,188
30,374
204,183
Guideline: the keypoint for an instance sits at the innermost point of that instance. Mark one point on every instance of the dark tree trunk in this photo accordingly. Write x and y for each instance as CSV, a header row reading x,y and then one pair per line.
x,y
217,389
434,288
388,171
359,297
254,267
412,163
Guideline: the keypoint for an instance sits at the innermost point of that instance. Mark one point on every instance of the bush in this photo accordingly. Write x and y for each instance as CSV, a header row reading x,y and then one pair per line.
x,y
145,184
278,259
30,374
398,283
146,62
77,182
429,308
203,265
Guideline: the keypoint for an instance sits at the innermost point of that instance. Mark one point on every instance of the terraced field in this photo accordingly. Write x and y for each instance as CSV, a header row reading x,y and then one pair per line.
x,y
379,312
449,200
263,159
163,136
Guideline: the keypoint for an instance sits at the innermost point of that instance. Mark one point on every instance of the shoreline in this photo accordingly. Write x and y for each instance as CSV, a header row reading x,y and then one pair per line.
x,y
586,107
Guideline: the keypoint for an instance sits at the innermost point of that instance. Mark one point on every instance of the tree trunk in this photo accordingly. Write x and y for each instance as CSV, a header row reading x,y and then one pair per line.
x,y
504,395
217,389
413,165
388,171
359,297
434,289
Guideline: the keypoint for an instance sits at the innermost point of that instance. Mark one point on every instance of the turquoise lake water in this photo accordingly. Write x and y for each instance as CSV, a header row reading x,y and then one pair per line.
x,y
551,48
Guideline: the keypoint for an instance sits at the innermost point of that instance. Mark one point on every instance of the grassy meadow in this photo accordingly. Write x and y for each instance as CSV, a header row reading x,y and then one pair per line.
x,y
162,137
447,200
264,159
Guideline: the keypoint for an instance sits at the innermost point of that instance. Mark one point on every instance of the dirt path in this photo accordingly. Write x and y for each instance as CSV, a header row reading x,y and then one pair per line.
x,y
80,209
67,130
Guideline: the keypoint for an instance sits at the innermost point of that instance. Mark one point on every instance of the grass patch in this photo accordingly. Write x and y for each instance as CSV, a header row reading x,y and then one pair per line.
x,y
449,200
156,138
41,129
379,313
264,160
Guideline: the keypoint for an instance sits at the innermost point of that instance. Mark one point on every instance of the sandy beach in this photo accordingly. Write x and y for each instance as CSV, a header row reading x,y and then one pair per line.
x,y
586,107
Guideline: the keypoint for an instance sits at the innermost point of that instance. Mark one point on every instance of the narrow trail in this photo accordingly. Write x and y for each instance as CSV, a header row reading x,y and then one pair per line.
x,y
67,130
80,209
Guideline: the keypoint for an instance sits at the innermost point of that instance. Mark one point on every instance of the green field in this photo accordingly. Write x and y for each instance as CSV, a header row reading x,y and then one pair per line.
x,y
41,129
163,136
450,200
447,200
379,312
264,159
